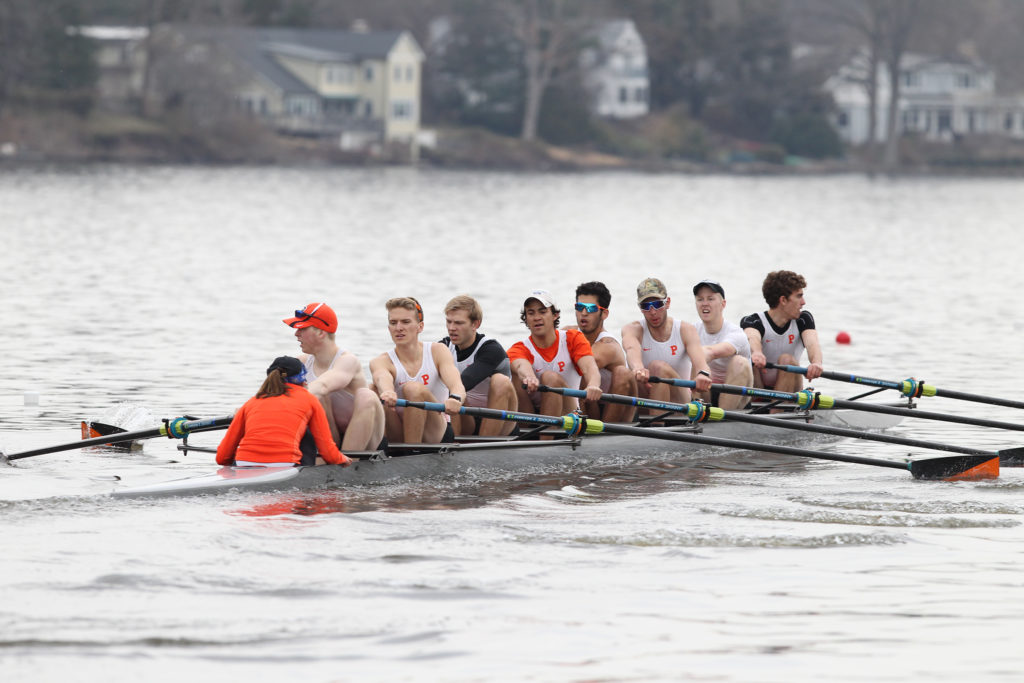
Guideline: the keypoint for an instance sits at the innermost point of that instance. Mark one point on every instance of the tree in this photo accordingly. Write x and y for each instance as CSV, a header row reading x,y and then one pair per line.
x,y
897,22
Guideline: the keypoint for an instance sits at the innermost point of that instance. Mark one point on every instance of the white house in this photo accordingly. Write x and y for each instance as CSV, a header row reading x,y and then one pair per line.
x,y
940,99
614,66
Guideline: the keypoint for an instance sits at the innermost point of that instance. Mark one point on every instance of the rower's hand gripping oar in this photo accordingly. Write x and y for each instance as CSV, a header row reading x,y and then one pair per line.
x,y
575,424
699,412
176,428
810,400
911,388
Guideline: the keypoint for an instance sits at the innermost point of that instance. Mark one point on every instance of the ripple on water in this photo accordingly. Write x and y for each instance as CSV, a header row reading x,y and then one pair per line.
x,y
831,517
688,539
928,507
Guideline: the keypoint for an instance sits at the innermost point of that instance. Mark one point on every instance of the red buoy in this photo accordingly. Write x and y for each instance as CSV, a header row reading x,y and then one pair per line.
x,y
842,338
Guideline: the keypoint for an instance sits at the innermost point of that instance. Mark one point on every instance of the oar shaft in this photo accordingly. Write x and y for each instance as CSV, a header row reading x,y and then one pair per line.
x,y
747,445
829,402
162,430
717,414
905,386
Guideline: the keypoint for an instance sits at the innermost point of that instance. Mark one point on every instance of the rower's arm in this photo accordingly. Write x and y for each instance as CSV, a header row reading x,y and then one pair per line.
x,y
632,345
756,353
337,378
382,370
814,356
719,350
450,376
591,375
695,350
522,369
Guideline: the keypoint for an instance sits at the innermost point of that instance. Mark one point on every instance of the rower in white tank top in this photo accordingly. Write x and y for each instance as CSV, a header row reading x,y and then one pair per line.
x,y
342,403
774,344
671,351
427,375
735,336
561,363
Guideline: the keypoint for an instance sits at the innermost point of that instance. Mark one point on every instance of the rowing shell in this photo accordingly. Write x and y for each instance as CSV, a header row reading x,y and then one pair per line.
x,y
486,457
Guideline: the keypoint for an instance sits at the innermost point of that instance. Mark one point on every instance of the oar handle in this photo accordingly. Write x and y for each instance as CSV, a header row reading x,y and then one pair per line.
x,y
806,398
684,383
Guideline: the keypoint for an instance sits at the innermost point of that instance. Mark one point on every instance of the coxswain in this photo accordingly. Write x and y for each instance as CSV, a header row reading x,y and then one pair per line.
x,y
268,429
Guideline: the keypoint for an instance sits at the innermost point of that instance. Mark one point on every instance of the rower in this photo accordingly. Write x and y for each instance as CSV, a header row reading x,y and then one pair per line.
x,y
658,346
726,347
592,302
415,371
552,357
336,377
780,334
484,366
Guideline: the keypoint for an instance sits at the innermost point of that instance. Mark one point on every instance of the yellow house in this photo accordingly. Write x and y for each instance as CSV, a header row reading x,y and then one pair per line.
x,y
363,86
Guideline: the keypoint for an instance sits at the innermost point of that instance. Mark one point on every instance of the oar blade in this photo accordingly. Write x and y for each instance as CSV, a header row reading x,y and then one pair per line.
x,y
1011,457
956,468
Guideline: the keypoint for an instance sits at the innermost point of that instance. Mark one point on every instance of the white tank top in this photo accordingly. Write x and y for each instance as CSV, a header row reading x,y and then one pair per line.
x,y
342,402
427,374
672,351
561,363
774,344
477,396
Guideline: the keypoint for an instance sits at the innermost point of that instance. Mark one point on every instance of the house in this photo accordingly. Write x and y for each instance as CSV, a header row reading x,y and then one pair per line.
x,y
120,64
360,86
940,99
614,66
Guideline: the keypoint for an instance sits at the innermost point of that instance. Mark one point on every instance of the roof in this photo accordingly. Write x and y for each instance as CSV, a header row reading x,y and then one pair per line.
x,y
256,48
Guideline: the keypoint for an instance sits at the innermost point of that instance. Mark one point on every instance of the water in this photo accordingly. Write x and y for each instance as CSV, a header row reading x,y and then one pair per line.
x,y
162,289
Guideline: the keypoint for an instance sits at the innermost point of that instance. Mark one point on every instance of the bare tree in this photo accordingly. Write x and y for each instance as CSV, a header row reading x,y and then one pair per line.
x,y
898,22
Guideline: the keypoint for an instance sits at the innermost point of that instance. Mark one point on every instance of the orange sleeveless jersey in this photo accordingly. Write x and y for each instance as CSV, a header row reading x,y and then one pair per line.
x,y
269,430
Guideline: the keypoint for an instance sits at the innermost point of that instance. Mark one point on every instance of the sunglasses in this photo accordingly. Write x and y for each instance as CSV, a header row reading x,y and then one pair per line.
x,y
589,308
653,305
306,316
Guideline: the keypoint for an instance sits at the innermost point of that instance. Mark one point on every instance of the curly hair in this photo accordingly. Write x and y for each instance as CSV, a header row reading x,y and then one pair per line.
x,y
780,283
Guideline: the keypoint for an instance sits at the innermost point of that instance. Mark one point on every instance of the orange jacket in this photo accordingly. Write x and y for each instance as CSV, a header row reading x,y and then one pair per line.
x,y
270,429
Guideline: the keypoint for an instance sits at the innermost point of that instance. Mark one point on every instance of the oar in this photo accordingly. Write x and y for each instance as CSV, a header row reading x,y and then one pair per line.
x,y
172,429
810,400
698,412
911,388
948,467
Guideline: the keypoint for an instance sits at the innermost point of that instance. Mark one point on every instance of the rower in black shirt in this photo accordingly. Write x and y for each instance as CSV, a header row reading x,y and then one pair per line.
x,y
485,369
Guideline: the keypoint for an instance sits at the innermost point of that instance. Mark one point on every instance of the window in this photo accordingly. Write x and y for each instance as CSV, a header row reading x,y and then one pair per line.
x,y
964,81
970,121
909,78
1008,121
401,109
409,73
843,119
368,73
639,94
945,121
623,94
367,108
396,73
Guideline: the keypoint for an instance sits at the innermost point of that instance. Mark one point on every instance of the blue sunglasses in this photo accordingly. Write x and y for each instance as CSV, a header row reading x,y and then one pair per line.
x,y
589,308
653,305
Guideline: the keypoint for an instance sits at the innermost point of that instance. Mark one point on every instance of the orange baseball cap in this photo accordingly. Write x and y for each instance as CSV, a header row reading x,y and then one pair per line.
x,y
317,314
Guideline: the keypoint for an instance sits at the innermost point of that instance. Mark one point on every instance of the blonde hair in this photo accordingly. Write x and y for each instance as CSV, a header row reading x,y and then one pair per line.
x,y
405,302
464,302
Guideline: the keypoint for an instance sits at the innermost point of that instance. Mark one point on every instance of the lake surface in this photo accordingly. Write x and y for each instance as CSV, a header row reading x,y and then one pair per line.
x,y
158,292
